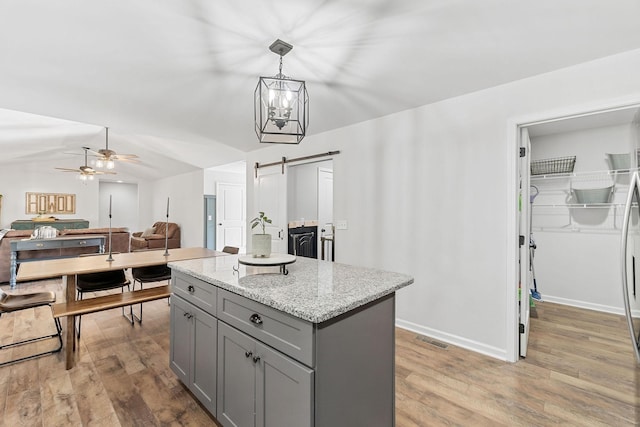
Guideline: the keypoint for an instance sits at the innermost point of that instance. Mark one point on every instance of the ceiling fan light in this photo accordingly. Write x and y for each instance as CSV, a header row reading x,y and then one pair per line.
x,y
110,164
99,163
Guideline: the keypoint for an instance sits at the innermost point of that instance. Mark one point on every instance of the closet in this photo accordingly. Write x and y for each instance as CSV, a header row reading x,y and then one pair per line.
x,y
577,210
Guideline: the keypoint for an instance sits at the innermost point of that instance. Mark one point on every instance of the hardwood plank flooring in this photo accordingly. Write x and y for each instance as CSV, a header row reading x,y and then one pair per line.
x,y
579,371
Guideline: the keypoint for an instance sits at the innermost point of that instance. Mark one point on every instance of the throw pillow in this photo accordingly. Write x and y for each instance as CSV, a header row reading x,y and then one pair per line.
x,y
148,232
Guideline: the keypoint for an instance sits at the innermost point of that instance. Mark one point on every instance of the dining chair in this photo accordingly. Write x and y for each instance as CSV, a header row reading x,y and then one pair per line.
x,y
15,302
102,281
148,274
230,250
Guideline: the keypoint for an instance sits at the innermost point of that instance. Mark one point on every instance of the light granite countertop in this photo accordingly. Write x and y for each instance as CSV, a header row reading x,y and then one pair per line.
x,y
313,290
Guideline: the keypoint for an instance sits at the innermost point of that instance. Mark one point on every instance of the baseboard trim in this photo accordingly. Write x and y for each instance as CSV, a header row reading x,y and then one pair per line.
x,y
478,347
588,305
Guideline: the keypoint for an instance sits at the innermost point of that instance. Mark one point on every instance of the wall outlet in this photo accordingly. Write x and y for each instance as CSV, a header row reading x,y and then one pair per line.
x,y
341,225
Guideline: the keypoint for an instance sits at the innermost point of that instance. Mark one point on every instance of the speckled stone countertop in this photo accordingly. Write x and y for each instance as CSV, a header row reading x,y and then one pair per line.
x,y
313,290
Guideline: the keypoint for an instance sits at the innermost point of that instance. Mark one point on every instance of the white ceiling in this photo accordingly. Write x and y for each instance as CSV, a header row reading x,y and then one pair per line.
x,y
174,79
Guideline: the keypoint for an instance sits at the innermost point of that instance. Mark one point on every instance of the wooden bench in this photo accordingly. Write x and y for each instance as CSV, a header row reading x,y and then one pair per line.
x,y
106,302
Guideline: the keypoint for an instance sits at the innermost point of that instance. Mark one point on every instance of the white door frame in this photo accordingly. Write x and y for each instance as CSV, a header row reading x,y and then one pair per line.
x,y
513,147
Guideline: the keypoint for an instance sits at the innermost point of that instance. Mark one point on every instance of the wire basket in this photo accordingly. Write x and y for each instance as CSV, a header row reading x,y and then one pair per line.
x,y
551,166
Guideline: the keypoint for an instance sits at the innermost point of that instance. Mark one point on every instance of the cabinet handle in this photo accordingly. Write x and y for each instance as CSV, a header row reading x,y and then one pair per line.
x,y
188,315
248,354
191,289
255,319
256,359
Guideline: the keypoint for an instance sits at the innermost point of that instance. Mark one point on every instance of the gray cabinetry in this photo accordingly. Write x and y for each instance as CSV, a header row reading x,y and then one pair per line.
x,y
284,390
290,335
236,378
268,368
258,386
193,350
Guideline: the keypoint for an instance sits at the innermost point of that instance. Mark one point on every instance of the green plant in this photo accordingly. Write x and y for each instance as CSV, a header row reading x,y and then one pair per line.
x,y
261,219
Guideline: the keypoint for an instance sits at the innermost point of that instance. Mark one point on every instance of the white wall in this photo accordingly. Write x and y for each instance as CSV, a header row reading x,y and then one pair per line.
x,y
186,207
124,206
431,192
211,178
588,145
17,180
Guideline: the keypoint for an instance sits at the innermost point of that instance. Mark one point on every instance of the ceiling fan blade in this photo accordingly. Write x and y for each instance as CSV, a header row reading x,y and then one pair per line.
x,y
128,160
68,170
125,156
103,173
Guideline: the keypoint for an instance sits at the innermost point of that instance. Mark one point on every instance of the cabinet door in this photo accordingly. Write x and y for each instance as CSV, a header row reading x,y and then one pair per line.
x,y
236,378
203,363
284,391
180,339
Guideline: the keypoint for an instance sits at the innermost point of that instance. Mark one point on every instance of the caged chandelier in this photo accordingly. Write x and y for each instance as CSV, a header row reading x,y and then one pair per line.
x,y
281,105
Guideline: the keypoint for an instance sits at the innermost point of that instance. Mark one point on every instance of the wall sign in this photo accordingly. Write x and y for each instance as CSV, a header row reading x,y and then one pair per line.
x,y
53,203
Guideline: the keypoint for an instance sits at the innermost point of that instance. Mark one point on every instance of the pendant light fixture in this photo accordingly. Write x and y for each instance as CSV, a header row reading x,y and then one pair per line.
x,y
281,112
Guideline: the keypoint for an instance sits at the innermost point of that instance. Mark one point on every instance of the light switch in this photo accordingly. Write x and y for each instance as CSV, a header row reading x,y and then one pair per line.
x,y
341,225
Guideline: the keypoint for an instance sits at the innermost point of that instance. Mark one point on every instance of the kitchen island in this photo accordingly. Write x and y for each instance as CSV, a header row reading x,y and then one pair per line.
x,y
311,348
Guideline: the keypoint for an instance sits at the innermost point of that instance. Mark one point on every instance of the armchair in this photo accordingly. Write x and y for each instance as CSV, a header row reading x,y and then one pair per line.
x,y
154,238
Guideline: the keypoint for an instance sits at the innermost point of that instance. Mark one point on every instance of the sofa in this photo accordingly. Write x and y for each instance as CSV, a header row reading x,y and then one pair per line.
x,y
154,238
119,241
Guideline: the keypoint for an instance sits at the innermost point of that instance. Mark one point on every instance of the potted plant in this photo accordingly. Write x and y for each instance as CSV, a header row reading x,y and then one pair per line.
x,y
261,243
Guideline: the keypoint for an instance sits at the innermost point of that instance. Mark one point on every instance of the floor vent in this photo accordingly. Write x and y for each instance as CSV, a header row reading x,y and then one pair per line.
x,y
432,342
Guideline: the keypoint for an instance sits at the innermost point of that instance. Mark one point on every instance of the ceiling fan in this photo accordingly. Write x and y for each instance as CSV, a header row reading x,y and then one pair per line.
x,y
106,158
86,172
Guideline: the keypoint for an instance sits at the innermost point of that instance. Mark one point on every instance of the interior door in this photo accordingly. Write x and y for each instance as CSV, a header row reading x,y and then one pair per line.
x,y
630,246
270,192
524,226
230,216
325,205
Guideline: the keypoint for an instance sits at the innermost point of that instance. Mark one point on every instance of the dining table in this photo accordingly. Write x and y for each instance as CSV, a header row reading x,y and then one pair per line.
x,y
69,268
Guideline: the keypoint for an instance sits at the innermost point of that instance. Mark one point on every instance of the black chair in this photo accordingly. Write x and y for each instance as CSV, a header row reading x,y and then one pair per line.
x,y
230,250
16,302
149,274
102,281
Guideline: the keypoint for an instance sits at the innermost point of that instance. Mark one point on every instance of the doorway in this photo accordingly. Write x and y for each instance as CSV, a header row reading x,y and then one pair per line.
x,y
577,259
210,222
310,209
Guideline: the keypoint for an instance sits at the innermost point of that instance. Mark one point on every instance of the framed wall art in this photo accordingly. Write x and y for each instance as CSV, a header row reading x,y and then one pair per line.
x,y
50,203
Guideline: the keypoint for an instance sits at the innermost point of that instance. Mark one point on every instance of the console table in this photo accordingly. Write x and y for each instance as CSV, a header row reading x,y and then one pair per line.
x,y
60,224
59,243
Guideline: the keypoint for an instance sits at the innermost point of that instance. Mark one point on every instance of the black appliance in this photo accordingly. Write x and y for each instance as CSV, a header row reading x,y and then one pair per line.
x,y
303,241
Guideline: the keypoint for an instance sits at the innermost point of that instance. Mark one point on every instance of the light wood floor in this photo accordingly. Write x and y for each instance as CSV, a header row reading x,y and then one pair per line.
x,y
579,371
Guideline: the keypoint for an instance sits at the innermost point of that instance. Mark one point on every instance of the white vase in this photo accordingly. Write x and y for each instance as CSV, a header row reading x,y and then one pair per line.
x,y
261,245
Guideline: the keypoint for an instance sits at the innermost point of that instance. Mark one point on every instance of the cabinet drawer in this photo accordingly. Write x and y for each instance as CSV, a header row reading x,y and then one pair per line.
x,y
290,335
81,243
197,292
